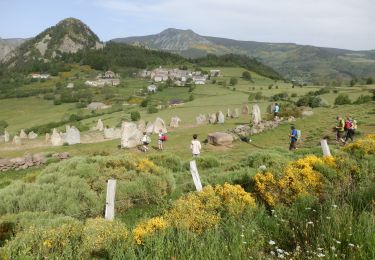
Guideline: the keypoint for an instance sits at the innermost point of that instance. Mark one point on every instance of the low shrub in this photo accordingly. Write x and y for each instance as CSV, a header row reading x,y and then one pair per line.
x,y
168,161
342,99
135,116
309,101
362,99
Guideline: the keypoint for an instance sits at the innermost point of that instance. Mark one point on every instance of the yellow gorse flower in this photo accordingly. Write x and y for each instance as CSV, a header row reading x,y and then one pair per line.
x,y
366,145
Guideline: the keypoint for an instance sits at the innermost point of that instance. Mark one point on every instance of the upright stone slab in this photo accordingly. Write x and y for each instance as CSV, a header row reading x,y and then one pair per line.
x,y
256,115
47,137
67,127
23,135
150,128
201,119
235,113
212,118
159,124
130,135
220,117
175,122
73,136
325,147
112,133
245,109
229,113
56,139
32,135
6,136
99,125
142,126
17,140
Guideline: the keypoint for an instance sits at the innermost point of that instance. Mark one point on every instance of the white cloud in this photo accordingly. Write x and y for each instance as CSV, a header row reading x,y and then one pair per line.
x,y
334,23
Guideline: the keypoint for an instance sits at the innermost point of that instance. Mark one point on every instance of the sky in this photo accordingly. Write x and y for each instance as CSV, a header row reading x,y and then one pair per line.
x,y
347,24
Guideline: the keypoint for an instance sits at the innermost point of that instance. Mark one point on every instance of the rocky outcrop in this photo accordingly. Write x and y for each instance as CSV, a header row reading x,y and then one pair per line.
x,y
72,136
19,163
130,135
219,138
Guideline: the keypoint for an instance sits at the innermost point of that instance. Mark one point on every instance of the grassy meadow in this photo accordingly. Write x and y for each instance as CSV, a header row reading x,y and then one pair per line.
x,y
303,206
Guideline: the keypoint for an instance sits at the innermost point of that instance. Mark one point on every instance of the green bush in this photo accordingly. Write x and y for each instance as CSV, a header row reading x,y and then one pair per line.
x,y
204,162
168,161
135,116
342,99
309,101
271,159
3,125
363,99
152,110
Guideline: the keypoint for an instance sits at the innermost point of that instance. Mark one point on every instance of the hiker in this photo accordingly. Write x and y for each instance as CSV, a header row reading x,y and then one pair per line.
x,y
293,138
350,129
146,140
340,128
161,139
276,110
195,146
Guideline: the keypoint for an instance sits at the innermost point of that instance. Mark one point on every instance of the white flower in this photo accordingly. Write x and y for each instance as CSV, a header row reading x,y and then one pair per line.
x,y
243,242
334,206
242,235
320,249
328,217
307,208
333,248
281,256
310,223
280,251
272,253
271,242
320,255
338,242
351,245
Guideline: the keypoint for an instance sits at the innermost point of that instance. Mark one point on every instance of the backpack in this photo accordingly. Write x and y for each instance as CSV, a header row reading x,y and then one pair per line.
x,y
348,125
298,137
164,137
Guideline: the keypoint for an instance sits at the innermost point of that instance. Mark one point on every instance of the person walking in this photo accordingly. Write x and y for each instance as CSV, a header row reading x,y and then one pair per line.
x,y
340,129
293,138
276,110
146,140
161,140
195,146
350,129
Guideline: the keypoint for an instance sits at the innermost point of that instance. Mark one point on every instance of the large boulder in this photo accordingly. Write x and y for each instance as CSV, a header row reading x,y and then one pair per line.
x,y
112,133
306,111
220,117
72,136
212,118
23,135
175,122
142,126
32,135
219,138
56,139
235,113
256,115
130,135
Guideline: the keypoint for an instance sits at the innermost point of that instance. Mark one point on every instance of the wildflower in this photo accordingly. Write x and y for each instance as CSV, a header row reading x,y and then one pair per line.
x,y
307,208
338,242
333,248
351,245
272,253
334,206
244,242
271,242
320,255
320,249
280,251
310,223
328,218
242,235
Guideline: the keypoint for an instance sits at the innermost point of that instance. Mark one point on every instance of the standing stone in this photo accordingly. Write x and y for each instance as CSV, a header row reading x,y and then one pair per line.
x,y
6,136
32,135
73,136
17,140
130,135
219,138
67,127
159,124
212,118
220,117
235,113
56,139
201,119
229,113
175,121
23,135
142,126
256,115
245,109
47,137
150,128
112,133
325,147
99,125
272,108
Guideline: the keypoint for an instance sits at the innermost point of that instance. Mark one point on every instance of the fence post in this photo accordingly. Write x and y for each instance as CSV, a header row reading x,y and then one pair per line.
x,y
110,200
325,147
195,175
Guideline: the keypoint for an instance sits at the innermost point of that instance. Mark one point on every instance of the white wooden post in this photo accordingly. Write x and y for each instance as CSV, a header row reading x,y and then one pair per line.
x,y
195,175
325,147
110,200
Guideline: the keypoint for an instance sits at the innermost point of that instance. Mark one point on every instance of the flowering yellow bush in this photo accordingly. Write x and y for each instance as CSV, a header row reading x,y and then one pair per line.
x,y
198,211
99,233
149,227
365,146
139,165
298,178
145,165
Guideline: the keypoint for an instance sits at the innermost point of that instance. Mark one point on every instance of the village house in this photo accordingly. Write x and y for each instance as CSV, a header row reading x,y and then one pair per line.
x,y
215,73
39,76
199,80
152,88
109,78
97,106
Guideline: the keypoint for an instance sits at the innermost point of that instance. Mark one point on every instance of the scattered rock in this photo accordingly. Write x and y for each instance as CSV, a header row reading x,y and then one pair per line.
x,y
20,163
61,156
291,119
219,138
262,168
306,111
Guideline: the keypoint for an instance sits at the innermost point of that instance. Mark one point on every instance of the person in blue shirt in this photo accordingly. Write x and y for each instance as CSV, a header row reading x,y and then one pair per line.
x,y
293,139
276,110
